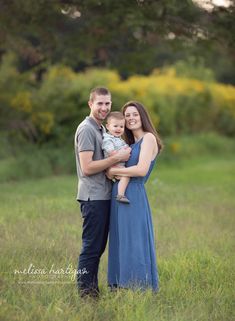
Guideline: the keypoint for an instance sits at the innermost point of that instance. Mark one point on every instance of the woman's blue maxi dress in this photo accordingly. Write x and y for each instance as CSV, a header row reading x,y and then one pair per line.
x,y
132,259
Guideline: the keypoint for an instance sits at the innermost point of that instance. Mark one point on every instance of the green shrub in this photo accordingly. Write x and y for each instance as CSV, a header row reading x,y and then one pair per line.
x,y
50,111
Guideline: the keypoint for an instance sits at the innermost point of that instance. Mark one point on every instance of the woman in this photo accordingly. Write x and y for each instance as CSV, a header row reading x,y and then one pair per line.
x,y
132,260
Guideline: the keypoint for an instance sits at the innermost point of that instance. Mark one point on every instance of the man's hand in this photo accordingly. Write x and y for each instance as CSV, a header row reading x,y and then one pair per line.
x,y
123,154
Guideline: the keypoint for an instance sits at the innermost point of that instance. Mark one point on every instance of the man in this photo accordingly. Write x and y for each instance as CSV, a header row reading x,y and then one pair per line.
x,y
94,189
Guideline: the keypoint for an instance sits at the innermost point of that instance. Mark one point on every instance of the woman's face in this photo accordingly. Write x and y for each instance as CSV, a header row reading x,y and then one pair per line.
x,y
132,118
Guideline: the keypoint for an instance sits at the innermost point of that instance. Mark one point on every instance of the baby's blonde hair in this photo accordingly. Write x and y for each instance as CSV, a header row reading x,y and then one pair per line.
x,y
115,115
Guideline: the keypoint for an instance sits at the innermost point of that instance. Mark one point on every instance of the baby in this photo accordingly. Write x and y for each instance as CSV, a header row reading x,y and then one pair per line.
x,y
112,141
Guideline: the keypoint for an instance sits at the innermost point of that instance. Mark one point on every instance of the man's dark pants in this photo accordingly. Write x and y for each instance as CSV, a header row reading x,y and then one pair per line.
x,y
95,216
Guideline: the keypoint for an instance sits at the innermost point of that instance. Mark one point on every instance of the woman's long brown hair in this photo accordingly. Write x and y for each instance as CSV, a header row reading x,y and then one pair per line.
x,y
147,124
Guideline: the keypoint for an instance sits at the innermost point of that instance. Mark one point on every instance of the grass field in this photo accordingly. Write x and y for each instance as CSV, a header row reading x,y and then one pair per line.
x,y
193,207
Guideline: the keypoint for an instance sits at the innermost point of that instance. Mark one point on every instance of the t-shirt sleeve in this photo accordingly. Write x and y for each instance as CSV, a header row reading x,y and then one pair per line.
x,y
107,146
85,140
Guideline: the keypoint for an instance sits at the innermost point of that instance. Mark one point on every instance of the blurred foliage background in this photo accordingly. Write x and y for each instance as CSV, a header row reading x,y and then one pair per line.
x,y
176,57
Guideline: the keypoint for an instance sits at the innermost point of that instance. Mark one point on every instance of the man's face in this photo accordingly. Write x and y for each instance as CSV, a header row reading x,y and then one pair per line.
x,y
100,107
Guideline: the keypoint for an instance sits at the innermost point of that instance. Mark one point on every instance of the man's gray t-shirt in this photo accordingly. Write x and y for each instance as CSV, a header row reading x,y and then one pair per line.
x,y
88,137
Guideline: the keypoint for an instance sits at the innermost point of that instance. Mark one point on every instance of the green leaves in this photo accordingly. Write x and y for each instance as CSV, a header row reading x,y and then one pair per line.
x,y
104,33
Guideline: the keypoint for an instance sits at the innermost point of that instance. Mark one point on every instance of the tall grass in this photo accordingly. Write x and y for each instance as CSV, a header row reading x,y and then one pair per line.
x,y
192,205
36,161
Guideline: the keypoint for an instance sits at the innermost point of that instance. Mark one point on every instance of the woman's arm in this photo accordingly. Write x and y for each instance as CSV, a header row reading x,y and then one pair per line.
x,y
141,169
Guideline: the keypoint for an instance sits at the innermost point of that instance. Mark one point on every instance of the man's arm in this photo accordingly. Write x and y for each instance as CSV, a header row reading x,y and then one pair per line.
x,y
91,167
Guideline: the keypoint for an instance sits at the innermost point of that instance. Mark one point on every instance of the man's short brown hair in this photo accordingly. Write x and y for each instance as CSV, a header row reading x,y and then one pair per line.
x,y
99,91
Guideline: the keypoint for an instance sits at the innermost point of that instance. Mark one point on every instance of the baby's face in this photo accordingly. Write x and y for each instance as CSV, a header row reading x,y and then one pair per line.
x,y
116,126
